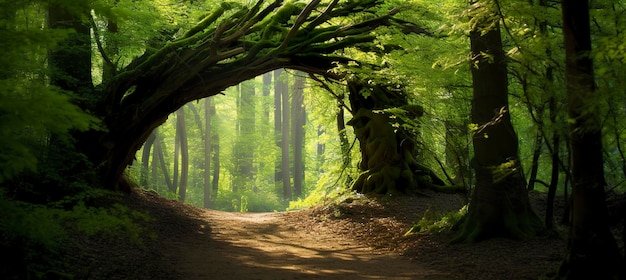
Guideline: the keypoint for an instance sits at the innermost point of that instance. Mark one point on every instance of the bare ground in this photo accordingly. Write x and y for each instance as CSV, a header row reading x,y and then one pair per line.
x,y
356,239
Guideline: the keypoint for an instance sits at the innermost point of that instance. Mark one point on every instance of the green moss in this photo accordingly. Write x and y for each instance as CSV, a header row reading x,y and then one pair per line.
x,y
437,222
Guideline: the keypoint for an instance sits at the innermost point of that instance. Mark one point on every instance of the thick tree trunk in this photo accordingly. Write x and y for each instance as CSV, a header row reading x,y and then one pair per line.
x,y
593,253
388,162
209,58
499,205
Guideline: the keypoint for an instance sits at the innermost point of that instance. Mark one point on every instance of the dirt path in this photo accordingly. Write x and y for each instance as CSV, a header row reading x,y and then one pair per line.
x,y
267,246
360,238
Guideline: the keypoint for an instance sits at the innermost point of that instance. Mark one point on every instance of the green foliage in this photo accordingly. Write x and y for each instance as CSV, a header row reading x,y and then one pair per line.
x,y
33,235
110,222
437,222
30,110
326,192
248,201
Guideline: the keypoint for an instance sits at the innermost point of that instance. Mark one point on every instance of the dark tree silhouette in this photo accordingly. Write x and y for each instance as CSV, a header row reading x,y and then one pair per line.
x,y
593,253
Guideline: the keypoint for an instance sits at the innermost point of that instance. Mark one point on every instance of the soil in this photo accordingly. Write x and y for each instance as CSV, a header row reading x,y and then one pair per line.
x,y
360,238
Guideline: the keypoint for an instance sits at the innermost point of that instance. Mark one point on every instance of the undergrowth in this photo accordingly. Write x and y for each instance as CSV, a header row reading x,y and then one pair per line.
x,y
32,236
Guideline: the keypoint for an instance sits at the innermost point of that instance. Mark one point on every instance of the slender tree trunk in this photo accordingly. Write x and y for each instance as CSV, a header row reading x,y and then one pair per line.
x,y
176,157
267,89
196,117
343,138
284,144
499,205
154,166
244,146
278,116
534,165
593,253
566,185
554,174
298,119
321,149
181,130
207,152
111,48
145,159
158,149
216,164
457,150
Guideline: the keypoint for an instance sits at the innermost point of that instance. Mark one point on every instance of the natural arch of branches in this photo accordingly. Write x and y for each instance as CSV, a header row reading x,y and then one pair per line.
x,y
230,45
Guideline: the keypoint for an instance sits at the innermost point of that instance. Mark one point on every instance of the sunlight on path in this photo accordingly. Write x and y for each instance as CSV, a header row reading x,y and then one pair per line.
x,y
265,246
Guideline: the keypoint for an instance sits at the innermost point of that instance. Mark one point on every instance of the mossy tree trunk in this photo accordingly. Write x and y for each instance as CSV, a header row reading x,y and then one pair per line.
x,y
593,253
233,44
388,162
499,205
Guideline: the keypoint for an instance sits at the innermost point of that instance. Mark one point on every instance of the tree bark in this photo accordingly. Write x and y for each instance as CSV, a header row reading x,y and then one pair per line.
x,y
457,151
388,161
181,131
343,138
592,252
555,167
534,165
216,165
243,179
298,121
207,152
285,171
158,150
145,159
499,205
278,116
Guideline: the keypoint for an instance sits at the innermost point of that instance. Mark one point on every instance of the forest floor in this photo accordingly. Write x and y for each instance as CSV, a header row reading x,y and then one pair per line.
x,y
360,238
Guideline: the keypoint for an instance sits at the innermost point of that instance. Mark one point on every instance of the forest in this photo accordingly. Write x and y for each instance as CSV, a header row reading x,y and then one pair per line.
x,y
269,106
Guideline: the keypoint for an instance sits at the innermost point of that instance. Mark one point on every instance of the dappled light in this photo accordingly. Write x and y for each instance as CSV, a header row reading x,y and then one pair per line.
x,y
302,139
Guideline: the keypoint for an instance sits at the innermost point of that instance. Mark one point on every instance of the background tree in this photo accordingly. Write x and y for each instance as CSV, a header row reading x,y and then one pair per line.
x,y
285,129
208,111
31,110
592,248
298,121
499,204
